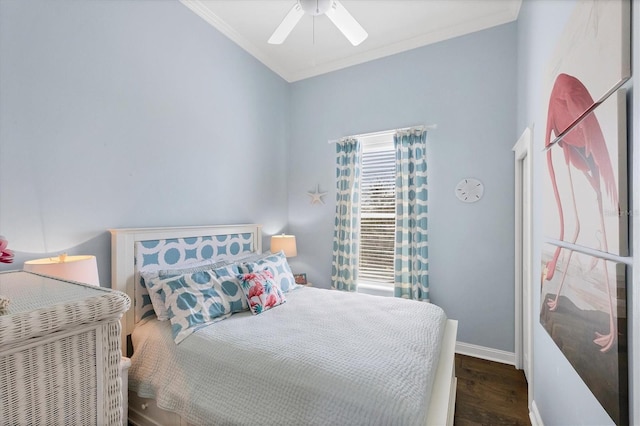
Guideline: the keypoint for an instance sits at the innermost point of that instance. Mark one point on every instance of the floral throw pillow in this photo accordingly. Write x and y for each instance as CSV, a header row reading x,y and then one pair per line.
x,y
261,290
277,264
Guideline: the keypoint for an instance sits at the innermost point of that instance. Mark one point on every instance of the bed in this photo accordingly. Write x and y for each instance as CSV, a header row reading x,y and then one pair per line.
x,y
296,363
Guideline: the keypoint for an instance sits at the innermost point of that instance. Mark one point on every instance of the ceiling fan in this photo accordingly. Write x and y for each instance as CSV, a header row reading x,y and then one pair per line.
x,y
334,10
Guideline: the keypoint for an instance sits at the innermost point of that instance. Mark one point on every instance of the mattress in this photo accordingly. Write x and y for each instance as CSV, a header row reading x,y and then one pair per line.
x,y
322,358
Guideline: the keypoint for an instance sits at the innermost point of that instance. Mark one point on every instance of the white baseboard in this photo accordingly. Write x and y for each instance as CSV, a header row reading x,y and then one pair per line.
x,y
489,354
534,415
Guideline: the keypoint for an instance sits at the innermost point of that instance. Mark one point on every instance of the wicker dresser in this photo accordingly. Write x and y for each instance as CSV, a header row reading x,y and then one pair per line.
x,y
59,352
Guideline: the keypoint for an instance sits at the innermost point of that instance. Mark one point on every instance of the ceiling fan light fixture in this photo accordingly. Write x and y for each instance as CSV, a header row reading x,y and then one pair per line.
x,y
334,10
315,7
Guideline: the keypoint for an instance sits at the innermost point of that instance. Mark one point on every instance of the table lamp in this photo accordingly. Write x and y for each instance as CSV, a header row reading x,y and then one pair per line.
x,y
82,269
285,243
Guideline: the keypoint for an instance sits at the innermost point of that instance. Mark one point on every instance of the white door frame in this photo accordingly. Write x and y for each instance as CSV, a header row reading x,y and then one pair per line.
x,y
523,235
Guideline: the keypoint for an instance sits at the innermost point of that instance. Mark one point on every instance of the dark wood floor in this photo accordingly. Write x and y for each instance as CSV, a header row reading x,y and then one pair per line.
x,y
489,393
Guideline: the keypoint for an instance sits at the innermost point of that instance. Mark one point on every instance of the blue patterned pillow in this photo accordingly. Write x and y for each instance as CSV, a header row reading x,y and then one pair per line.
x,y
231,285
193,300
155,292
277,264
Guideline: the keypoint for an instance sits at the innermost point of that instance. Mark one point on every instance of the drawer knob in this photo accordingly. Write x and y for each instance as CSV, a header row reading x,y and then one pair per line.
x,y
144,406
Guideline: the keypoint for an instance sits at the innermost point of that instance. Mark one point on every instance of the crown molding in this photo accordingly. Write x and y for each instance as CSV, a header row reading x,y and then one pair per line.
x,y
409,44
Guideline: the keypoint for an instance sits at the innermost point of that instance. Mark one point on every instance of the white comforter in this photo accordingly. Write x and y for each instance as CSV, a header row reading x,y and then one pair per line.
x,y
322,358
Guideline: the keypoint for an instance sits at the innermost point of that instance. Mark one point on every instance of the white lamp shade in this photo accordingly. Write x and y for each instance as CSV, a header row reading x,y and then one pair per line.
x,y
82,269
285,243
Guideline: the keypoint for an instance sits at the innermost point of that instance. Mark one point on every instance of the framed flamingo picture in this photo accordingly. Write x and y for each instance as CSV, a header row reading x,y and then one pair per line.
x,y
584,311
585,209
583,296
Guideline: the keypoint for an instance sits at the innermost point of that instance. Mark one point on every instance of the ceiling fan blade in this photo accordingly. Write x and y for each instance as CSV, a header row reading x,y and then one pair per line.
x,y
287,25
346,23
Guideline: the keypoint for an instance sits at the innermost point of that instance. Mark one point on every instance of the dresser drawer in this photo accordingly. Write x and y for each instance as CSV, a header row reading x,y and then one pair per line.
x,y
145,411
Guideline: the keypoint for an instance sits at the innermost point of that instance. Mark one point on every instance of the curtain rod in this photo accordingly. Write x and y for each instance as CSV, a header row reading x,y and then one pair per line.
x,y
384,132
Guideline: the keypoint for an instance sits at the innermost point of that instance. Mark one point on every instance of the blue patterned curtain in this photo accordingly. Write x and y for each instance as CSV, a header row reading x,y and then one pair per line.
x,y
344,271
412,251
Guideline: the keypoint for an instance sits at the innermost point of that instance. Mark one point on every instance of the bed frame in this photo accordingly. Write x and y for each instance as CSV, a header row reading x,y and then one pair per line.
x,y
124,273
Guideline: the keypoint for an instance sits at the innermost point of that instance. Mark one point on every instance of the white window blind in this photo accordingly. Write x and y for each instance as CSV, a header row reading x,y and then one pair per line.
x,y
377,211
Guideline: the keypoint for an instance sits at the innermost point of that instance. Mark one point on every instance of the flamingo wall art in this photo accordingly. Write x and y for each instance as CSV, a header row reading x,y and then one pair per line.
x,y
583,299
584,196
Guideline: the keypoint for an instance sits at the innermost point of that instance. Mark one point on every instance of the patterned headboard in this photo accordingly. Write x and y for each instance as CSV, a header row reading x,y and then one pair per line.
x,y
149,249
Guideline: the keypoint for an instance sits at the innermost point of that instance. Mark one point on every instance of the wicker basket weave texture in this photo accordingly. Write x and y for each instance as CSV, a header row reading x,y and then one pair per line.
x,y
58,342
41,306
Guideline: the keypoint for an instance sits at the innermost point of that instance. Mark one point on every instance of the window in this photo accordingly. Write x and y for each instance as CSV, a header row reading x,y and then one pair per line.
x,y
381,208
377,211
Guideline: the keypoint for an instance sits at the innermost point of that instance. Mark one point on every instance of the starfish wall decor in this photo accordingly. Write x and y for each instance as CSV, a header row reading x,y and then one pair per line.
x,y
316,195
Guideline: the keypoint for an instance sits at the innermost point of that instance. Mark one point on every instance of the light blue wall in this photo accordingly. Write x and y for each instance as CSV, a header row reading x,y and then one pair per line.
x,y
560,394
131,113
467,86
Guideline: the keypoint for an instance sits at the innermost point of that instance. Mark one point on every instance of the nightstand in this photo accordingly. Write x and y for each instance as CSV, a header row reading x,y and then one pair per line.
x,y
60,351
